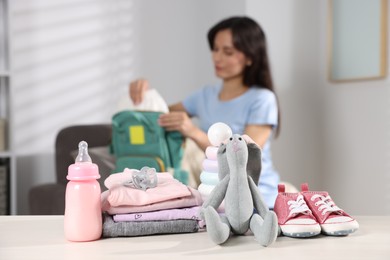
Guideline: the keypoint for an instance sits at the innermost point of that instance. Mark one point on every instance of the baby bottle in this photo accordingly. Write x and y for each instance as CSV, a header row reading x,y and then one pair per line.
x,y
83,215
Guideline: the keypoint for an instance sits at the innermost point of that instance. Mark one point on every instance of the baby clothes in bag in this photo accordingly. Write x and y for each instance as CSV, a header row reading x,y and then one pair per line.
x,y
153,101
138,140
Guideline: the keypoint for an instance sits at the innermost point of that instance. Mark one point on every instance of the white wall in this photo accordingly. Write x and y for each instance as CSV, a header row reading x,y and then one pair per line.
x,y
356,120
334,136
71,61
292,29
175,54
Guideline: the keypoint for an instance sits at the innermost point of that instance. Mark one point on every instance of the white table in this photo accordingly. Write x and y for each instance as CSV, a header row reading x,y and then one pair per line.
x,y
42,237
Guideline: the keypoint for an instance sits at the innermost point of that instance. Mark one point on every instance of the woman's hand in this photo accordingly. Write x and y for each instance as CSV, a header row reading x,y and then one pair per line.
x,y
177,121
137,90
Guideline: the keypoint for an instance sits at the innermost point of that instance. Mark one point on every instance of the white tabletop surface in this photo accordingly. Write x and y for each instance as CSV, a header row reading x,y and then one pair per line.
x,y
42,237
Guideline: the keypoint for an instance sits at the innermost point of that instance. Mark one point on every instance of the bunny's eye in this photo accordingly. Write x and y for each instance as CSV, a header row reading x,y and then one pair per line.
x,y
231,138
239,138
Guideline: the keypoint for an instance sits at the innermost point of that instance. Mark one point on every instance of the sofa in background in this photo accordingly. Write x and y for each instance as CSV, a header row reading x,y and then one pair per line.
x,y
49,199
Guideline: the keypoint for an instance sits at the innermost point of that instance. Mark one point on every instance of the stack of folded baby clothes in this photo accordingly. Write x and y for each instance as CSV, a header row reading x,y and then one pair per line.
x,y
138,204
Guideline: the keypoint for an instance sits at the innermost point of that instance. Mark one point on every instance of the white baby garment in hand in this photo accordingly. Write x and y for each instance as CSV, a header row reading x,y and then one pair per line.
x,y
153,101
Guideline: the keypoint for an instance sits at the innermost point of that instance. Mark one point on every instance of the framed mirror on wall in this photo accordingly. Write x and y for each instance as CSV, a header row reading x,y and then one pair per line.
x,y
357,35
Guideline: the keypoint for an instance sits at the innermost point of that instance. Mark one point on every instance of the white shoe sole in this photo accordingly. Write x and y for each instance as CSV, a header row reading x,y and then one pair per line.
x,y
301,230
340,229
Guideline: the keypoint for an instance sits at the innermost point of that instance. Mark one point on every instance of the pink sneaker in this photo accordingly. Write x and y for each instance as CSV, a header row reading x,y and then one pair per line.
x,y
333,220
294,216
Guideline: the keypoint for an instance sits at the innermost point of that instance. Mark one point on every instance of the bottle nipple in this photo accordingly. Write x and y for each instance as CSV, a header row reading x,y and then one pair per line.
x,y
83,156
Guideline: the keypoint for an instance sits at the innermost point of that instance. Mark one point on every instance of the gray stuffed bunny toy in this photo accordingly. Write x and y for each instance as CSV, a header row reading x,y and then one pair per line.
x,y
239,165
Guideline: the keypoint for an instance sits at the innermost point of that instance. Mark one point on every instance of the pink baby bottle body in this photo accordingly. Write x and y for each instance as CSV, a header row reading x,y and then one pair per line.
x,y
83,216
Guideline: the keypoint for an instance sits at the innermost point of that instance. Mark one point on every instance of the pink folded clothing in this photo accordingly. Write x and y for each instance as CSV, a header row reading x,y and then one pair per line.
x,y
119,194
194,199
167,214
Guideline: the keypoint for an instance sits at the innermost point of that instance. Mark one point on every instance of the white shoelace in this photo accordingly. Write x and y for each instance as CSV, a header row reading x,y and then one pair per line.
x,y
324,204
298,206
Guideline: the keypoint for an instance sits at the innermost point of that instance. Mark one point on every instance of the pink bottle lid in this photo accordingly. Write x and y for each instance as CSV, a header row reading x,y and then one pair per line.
x,y
83,168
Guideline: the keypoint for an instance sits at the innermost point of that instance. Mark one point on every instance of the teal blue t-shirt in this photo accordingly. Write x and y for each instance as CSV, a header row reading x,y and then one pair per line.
x,y
257,106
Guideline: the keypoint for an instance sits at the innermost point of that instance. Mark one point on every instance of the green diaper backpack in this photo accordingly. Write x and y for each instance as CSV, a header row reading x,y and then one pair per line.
x,y
138,141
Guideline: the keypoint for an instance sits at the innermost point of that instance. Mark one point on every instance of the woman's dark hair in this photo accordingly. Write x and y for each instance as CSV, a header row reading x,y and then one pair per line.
x,y
249,38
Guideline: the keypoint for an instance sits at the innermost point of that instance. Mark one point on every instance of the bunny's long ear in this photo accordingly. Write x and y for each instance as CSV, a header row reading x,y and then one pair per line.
x,y
253,168
223,166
